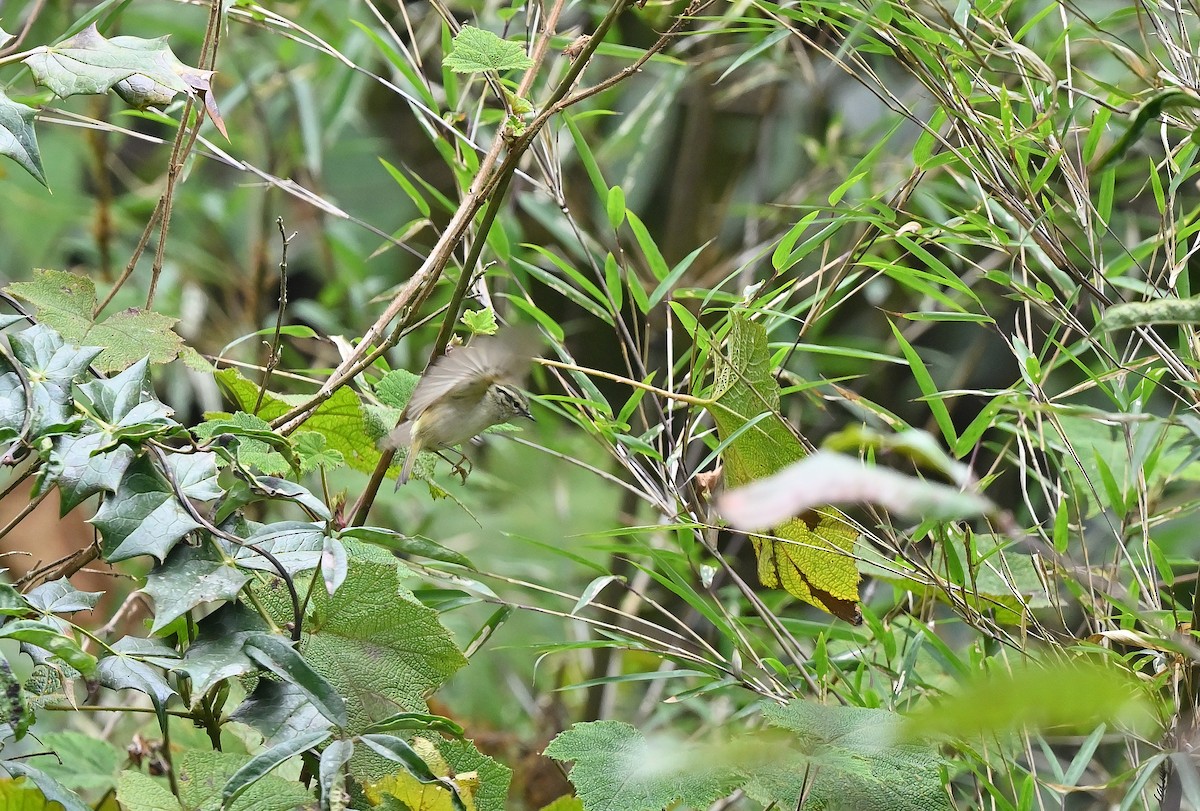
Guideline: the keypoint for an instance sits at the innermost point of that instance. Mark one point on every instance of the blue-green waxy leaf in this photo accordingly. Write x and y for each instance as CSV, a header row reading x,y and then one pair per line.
x,y
48,637
277,655
139,664
60,597
144,518
190,576
18,140
51,367
218,652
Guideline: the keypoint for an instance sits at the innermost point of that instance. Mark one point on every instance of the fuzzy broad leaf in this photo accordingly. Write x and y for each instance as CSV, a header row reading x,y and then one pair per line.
x,y
137,791
476,50
66,302
619,769
204,775
145,517
809,556
382,650
339,419
847,759
83,762
18,140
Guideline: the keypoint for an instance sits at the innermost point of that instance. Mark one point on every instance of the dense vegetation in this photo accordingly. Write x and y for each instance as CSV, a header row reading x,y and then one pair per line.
x,y
862,470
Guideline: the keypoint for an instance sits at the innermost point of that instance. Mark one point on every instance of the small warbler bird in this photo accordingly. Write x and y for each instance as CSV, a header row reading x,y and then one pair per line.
x,y
465,392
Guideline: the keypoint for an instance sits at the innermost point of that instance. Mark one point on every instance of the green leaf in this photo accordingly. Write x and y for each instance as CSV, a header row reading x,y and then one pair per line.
x,y
847,757
396,387
314,452
204,775
384,651
397,542
13,704
339,419
273,653
217,652
51,368
83,762
188,577
1159,311
297,545
80,470
60,597
51,788
265,762
476,50
88,63
808,556
138,664
18,139
141,792
618,769
145,517
66,301
22,795
1067,697
279,710
48,637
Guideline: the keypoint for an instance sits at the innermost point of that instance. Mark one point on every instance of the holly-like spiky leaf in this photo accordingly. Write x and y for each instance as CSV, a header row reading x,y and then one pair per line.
x,y
18,139
190,576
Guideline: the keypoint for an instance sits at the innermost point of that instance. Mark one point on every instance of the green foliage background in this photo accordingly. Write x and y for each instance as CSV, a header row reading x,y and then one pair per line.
x,y
953,241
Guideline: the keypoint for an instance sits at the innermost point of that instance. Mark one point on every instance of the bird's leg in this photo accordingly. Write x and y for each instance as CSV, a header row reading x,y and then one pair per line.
x,y
462,467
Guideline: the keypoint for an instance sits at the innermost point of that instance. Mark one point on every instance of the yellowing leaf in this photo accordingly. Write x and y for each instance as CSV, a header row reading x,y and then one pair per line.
x,y
809,556
420,796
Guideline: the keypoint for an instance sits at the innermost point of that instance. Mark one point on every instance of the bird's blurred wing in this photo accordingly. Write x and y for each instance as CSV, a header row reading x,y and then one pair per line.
x,y
469,370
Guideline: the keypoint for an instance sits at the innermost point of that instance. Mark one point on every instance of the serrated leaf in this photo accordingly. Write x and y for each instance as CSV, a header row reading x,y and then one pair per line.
x,y
141,792
476,50
279,710
339,419
204,775
51,368
618,769
808,556
396,388
88,63
83,762
190,576
217,652
66,301
18,140
847,757
383,651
